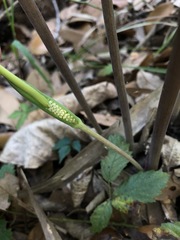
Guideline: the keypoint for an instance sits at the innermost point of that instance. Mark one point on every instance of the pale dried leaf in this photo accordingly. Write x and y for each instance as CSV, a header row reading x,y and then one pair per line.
x,y
94,95
138,4
96,12
8,105
8,187
148,80
35,79
31,146
171,152
79,186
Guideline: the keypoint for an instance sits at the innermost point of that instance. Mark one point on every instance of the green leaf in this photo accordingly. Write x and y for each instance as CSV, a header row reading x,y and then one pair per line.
x,y
122,204
6,168
172,228
21,120
105,71
63,152
76,145
101,216
5,233
61,143
15,114
143,186
113,163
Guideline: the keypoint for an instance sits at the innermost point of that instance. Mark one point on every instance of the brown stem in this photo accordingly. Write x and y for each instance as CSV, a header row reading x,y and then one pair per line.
x,y
166,104
40,25
108,11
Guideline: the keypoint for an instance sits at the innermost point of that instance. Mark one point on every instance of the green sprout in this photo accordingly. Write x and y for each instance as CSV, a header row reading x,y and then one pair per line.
x,y
58,111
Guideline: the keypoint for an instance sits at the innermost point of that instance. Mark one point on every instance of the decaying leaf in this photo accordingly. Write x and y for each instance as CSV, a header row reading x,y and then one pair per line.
x,y
8,105
8,187
171,152
31,146
79,186
161,11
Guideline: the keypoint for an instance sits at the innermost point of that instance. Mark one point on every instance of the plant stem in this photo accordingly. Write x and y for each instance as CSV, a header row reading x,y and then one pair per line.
x,y
166,104
117,68
37,20
108,144
24,88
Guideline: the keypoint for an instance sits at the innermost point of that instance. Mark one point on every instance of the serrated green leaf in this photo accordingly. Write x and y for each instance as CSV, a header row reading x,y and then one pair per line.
x,y
113,163
122,204
63,152
172,228
6,168
61,143
143,186
76,145
101,216
5,233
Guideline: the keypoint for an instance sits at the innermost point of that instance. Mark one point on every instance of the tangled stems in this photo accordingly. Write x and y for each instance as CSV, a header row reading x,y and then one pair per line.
x,y
58,111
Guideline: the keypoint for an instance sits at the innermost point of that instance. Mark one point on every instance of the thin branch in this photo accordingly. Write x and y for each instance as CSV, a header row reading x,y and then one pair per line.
x,y
37,20
166,104
117,67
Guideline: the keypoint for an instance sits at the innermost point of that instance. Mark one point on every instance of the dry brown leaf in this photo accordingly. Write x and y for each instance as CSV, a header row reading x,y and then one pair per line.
x,y
36,46
104,119
8,105
91,10
37,81
4,137
36,232
31,146
80,185
161,11
134,59
73,35
8,187
68,12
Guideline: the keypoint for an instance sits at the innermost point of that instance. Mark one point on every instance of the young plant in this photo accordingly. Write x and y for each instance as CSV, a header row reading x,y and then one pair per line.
x,y
58,111
22,113
130,191
65,146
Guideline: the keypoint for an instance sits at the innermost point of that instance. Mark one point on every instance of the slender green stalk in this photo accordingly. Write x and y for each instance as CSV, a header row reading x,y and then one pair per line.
x,y
108,144
37,20
58,111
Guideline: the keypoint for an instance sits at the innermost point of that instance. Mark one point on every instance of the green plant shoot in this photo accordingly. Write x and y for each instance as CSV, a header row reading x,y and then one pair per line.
x,y
58,111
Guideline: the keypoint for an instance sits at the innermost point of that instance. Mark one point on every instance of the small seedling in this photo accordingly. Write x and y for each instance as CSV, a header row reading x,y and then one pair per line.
x,y
130,191
22,113
65,146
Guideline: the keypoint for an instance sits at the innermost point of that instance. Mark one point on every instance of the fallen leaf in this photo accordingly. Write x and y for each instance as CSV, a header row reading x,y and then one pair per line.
x,y
8,105
161,11
8,187
32,145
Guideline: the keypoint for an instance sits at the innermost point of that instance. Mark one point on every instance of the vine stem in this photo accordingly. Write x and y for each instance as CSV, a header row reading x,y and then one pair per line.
x,y
109,144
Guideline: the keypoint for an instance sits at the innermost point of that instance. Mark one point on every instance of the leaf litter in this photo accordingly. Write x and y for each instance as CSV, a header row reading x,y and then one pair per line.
x,y
82,40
